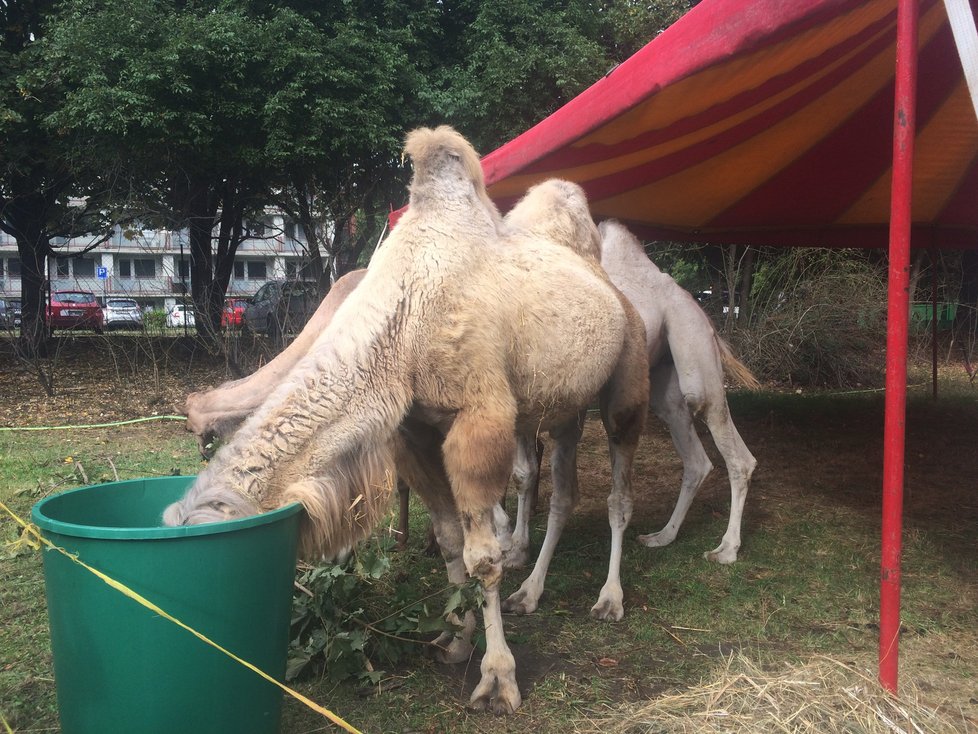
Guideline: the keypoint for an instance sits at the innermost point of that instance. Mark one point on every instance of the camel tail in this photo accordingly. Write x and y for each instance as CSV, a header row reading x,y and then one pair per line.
x,y
735,368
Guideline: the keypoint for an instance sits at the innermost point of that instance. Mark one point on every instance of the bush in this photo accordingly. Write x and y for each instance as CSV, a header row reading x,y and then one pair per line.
x,y
817,317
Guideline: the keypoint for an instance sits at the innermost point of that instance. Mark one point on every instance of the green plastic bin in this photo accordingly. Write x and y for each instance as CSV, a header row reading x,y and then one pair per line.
x,y
120,668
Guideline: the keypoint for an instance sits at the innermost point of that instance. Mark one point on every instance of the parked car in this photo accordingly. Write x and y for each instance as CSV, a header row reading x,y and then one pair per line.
x,y
281,306
122,313
180,315
10,313
74,310
233,314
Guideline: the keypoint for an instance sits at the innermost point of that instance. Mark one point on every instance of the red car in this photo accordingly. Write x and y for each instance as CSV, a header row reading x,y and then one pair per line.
x,y
75,310
233,312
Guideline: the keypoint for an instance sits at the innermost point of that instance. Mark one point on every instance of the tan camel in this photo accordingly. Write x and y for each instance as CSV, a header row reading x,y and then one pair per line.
x,y
465,339
687,359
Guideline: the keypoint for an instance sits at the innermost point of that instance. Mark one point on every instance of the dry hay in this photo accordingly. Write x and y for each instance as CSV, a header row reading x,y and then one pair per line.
x,y
820,696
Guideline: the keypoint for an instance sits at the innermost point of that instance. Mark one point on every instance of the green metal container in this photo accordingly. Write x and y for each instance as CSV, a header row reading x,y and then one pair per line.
x,y
120,668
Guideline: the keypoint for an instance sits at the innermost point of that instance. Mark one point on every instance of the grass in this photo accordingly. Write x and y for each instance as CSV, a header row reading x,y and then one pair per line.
x,y
805,587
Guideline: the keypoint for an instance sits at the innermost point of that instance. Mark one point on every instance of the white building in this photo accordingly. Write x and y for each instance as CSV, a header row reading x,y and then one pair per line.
x,y
153,266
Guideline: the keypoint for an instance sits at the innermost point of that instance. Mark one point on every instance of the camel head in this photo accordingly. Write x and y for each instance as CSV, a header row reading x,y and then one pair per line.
x,y
444,161
557,211
204,502
617,236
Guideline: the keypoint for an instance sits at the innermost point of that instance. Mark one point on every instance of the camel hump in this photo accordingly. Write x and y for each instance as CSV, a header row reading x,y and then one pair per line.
x,y
427,147
557,210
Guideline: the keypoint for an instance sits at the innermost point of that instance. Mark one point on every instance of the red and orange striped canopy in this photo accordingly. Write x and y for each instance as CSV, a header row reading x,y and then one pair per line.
x,y
766,122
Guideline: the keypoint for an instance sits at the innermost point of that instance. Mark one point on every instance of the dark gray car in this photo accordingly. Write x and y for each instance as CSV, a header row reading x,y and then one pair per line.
x,y
10,313
281,307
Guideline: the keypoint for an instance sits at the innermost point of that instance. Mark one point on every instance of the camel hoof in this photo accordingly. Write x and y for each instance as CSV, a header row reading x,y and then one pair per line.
x,y
515,558
449,649
655,540
504,703
722,555
520,603
608,611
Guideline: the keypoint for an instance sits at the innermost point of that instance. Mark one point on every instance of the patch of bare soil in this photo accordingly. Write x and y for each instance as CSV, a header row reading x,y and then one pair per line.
x,y
104,379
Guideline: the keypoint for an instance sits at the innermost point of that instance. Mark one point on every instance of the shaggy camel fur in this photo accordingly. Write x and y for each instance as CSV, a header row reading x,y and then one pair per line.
x,y
687,360
216,413
465,339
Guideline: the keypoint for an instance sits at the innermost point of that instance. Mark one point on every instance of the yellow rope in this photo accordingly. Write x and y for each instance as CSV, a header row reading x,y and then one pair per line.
x,y
35,540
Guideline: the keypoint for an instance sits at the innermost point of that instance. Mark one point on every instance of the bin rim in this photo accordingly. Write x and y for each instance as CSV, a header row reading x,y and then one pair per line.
x,y
156,532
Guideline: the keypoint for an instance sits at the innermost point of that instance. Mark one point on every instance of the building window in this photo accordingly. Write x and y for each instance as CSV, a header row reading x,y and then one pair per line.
x,y
84,268
257,270
291,269
250,269
63,269
13,267
290,230
137,268
183,269
256,229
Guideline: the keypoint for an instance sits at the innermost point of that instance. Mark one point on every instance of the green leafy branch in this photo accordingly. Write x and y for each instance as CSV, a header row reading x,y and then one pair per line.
x,y
342,618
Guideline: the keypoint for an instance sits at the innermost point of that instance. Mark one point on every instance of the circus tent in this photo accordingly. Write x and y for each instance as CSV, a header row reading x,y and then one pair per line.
x,y
765,122
830,123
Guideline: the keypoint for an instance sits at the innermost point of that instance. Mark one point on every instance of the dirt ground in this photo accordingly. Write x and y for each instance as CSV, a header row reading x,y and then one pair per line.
x,y
814,450
806,444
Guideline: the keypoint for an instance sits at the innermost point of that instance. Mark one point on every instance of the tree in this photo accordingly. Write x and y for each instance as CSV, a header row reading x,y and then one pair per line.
x,y
506,65
212,111
41,196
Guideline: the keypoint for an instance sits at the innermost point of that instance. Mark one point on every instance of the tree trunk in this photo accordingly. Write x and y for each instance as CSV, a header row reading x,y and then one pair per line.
x,y
746,280
730,278
26,217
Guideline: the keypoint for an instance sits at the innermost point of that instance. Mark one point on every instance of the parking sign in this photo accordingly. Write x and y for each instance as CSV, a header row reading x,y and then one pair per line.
x,y
102,273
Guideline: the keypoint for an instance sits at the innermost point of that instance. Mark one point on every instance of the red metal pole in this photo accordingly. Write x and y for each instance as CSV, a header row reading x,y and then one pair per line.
x,y
898,307
933,326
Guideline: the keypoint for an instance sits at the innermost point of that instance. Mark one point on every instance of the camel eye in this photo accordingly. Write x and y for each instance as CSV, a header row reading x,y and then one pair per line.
x,y
220,507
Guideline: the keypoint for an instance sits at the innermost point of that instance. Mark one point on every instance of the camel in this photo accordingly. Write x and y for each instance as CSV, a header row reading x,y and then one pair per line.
x,y
456,341
664,306
687,360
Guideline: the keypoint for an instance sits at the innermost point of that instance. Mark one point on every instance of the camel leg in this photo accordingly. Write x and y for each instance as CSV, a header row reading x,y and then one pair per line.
x,y
453,646
623,413
526,470
702,392
419,464
668,403
478,454
403,497
563,499
740,466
